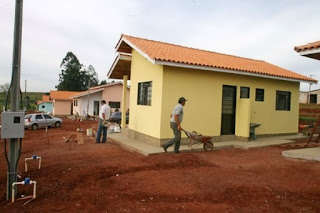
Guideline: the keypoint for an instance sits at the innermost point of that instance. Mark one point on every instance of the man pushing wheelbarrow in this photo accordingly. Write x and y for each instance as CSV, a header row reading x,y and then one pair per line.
x,y
175,124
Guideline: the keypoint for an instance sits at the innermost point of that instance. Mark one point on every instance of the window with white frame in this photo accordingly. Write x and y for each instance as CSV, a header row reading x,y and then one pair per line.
x,y
144,93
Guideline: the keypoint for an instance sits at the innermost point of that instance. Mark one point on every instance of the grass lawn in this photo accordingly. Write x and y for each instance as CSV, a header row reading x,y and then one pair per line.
x,y
33,97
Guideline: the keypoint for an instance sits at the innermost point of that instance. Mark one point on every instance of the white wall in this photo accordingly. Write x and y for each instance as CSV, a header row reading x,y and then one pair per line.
x,y
303,97
83,101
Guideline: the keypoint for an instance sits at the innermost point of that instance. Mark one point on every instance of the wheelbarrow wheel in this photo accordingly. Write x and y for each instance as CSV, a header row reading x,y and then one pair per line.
x,y
208,146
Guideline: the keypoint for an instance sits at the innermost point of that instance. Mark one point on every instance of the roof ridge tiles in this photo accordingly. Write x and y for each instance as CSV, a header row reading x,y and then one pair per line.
x,y
177,45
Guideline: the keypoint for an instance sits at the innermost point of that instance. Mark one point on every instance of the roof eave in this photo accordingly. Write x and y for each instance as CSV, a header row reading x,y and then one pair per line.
x,y
86,93
237,72
123,39
121,60
311,53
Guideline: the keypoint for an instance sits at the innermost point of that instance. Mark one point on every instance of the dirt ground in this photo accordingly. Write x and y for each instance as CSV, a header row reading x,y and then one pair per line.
x,y
108,178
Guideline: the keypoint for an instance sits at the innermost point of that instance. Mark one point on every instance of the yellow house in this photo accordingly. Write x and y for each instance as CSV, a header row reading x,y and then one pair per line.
x,y
225,93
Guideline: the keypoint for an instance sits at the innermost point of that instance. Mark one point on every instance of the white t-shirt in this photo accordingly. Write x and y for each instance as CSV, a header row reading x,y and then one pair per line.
x,y
105,109
178,110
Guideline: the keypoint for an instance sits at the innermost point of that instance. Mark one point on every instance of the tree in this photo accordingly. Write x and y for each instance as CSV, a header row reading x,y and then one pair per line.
x,y
73,77
4,88
92,75
103,82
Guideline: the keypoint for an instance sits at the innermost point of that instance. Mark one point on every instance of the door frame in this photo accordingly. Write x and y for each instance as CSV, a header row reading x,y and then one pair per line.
x,y
233,115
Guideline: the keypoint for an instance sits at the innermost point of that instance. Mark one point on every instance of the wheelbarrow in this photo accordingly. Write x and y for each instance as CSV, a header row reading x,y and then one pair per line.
x,y
196,138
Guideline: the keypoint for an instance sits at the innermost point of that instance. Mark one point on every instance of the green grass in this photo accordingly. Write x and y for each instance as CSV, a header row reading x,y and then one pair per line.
x,y
33,97
307,120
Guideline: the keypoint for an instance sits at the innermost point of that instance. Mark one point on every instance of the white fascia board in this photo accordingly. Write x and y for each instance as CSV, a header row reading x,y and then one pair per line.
x,y
173,64
309,52
86,93
138,50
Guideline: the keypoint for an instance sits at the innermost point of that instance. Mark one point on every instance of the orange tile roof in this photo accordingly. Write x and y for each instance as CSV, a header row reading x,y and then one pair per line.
x,y
308,46
46,98
62,95
185,55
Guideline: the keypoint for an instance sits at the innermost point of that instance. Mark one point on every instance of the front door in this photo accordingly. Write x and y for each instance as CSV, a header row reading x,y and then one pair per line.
x,y
228,117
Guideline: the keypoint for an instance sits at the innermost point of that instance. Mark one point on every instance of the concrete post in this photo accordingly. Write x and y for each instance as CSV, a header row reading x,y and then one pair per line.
x,y
124,101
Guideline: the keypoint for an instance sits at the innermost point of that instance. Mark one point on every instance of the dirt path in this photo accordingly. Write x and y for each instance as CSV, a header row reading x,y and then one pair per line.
x,y
107,178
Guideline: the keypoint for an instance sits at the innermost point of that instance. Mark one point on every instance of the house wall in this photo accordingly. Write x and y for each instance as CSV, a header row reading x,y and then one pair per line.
x,y
274,121
47,107
83,102
61,107
303,97
114,94
202,112
145,119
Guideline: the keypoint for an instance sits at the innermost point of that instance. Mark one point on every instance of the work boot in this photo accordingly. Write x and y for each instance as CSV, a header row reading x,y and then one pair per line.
x,y
164,148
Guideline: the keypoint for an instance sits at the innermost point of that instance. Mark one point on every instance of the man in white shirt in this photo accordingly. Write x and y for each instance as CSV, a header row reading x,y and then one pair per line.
x,y
104,116
175,124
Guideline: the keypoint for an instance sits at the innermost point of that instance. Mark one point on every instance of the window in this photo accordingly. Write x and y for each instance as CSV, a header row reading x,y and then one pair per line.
x,y
39,117
259,94
244,92
313,98
75,102
113,104
42,106
283,100
46,116
144,93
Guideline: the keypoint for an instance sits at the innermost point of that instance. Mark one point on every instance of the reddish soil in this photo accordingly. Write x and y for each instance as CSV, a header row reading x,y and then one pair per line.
x,y
309,111
108,178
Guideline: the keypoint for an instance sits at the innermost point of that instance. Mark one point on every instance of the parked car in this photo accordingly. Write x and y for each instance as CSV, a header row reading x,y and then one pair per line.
x,y
38,120
116,117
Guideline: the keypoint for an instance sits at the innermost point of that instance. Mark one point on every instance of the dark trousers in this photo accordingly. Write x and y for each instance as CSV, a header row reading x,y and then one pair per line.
x,y
102,129
176,139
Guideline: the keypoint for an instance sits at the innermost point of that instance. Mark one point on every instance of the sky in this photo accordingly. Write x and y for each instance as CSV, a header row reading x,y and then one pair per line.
x,y
259,29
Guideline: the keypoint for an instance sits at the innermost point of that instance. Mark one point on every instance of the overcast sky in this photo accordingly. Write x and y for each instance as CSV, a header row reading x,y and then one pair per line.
x,y
260,29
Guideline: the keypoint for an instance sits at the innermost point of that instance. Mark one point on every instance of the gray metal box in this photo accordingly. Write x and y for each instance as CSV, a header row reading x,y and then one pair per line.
x,y
12,124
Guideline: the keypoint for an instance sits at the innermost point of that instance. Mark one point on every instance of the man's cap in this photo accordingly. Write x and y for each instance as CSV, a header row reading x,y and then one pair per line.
x,y
182,99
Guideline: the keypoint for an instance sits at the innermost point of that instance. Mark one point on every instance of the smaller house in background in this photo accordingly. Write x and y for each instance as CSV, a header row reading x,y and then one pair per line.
x,y
45,104
62,102
312,97
90,100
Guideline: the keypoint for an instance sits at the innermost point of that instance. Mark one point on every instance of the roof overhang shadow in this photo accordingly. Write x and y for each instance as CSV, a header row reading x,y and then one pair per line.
x,y
120,67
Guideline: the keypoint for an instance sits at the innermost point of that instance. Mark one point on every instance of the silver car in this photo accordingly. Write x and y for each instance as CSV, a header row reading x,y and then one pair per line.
x,y
38,120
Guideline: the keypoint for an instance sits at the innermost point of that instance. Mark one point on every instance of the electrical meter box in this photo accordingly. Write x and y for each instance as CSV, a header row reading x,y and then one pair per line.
x,y
12,124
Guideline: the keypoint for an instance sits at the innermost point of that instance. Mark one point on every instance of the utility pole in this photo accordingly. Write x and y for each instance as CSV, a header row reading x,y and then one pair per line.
x,y
309,94
14,147
25,95
90,71
88,99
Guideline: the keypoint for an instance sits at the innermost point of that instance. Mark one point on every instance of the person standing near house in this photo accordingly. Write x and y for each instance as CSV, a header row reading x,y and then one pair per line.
x,y
104,116
175,124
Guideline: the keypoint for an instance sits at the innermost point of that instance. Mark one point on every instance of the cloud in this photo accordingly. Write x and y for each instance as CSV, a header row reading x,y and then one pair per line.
x,y
265,30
